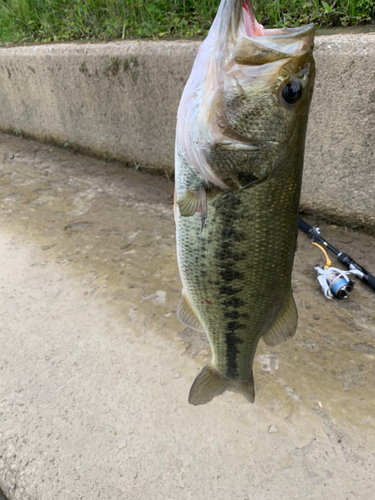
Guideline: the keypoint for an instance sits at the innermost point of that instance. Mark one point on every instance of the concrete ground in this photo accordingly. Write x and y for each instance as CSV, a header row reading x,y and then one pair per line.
x,y
96,369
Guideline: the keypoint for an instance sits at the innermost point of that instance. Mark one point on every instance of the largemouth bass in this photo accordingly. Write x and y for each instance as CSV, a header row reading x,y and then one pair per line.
x,y
240,140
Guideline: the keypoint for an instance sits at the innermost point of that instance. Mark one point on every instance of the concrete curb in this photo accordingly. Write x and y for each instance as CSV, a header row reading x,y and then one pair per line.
x,y
119,100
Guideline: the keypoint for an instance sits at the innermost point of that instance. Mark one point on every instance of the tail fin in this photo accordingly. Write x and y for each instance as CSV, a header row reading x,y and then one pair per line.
x,y
210,384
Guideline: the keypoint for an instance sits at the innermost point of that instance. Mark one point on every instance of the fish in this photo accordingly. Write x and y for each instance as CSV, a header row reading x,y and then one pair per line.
x,y
240,138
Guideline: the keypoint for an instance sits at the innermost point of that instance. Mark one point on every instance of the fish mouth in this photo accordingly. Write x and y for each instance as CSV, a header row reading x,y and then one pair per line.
x,y
248,25
251,44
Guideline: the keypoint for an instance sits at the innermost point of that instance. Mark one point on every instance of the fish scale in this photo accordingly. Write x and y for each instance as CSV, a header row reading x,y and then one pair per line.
x,y
239,157
237,252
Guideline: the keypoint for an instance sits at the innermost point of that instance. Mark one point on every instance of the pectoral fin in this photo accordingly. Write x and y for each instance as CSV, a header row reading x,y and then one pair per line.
x,y
189,202
193,201
187,316
285,325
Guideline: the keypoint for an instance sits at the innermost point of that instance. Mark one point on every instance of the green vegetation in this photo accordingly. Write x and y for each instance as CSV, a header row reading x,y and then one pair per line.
x,y
53,20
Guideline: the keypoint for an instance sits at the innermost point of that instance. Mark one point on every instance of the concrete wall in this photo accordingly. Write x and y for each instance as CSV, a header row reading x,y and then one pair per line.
x,y
120,100
339,176
115,99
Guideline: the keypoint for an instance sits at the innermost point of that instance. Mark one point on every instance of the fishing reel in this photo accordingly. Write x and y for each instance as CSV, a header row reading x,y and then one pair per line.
x,y
336,282
333,281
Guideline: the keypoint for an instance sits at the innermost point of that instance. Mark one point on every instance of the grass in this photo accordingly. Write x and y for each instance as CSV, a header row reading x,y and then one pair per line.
x,y
59,20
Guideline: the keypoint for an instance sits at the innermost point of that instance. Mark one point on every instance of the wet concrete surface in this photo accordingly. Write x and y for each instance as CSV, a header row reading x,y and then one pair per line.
x,y
95,368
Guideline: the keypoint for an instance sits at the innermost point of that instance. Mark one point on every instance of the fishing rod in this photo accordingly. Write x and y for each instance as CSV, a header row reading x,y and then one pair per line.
x,y
335,282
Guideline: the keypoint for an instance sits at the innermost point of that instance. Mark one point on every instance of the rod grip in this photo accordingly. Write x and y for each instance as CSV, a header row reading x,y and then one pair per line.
x,y
369,279
304,226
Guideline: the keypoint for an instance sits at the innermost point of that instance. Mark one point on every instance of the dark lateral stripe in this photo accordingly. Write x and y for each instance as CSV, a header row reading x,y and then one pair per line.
x,y
232,344
228,256
228,275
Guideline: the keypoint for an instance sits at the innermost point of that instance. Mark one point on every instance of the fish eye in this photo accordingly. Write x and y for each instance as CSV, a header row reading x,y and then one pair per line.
x,y
292,92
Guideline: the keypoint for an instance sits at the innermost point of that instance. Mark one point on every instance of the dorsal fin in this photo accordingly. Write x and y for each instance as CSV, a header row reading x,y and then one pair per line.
x,y
285,325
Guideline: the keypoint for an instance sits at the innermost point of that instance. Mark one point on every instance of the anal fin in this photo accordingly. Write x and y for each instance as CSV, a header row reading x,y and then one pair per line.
x,y
285,325
187,316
